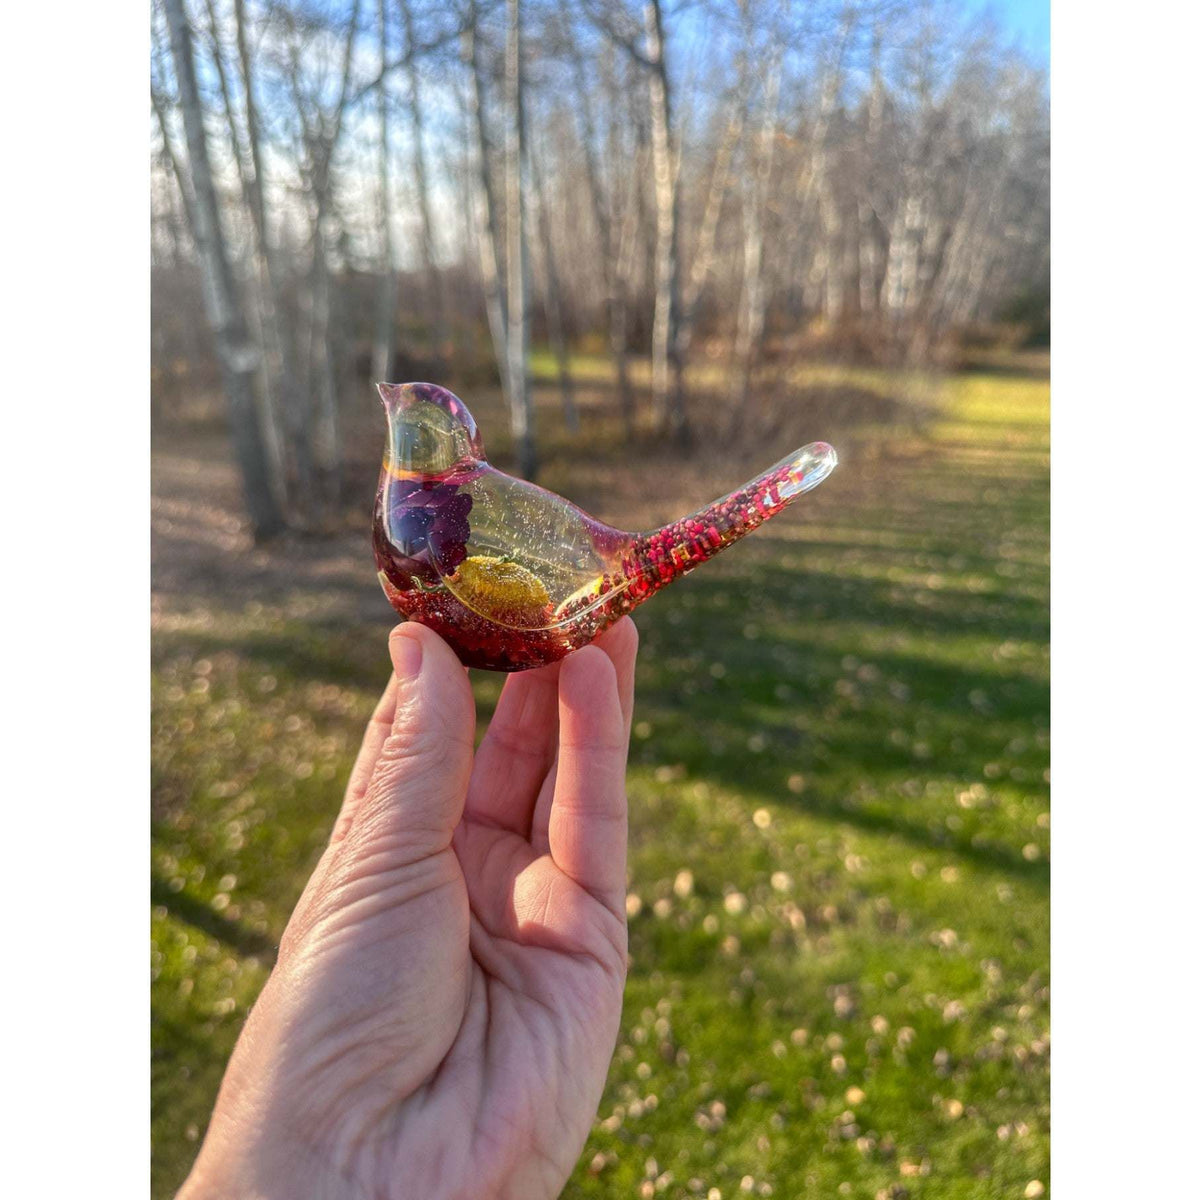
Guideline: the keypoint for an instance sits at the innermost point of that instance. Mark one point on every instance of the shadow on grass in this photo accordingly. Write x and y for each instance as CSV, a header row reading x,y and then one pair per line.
x,y
322,651
955,688
852,748
196,912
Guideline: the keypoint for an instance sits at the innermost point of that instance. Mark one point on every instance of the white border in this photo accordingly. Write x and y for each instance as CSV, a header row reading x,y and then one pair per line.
x,y
1126,392
74,490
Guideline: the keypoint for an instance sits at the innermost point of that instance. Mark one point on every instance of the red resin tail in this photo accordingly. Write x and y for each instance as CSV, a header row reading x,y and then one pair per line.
x,y
659,557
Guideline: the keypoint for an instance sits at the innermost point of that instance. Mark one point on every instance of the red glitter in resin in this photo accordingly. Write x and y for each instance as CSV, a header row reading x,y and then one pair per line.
x,y
514,576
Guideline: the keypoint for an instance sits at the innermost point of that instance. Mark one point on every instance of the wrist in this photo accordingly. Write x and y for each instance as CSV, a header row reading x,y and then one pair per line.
x,y
224,1174
239,1161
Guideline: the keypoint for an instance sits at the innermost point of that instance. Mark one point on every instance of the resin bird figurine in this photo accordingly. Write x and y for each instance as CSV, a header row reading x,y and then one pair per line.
x,y
514,576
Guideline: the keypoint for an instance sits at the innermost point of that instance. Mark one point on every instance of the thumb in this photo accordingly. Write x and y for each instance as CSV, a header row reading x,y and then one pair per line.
x,y
415,795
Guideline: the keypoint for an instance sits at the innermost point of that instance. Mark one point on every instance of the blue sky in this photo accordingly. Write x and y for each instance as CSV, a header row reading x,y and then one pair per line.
x,y
1028,21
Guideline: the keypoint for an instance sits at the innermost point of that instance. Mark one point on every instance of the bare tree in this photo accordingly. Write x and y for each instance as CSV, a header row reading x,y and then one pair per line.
x,y
272,381
869,174
517,172
552,291
651,56
752,306
666,367
321,125
385,303
703,256
605,216
279,335
485,197
237,354
433,275
172,158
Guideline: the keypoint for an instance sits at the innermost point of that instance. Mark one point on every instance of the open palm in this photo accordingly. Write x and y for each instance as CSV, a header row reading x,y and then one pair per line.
x,y
448,991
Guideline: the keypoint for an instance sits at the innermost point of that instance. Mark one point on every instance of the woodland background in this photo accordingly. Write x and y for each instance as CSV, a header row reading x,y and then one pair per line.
x,y
654,246
392,189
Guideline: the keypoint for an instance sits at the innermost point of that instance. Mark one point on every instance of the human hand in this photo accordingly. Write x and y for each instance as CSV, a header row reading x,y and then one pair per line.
x,y
447,996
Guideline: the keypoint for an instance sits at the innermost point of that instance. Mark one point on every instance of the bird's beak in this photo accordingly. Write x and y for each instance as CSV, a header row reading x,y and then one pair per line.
x,y
390,394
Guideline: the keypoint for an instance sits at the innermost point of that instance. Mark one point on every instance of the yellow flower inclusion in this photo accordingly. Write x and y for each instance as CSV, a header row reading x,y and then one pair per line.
x,y
498,587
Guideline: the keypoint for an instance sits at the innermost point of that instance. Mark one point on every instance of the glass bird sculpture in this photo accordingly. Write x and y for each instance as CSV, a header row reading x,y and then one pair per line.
x,y
511,575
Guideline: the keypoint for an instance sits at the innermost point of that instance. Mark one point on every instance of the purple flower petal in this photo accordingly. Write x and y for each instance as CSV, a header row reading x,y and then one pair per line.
x,y
409,528
450,556
455,509
454,530
398,489
437,494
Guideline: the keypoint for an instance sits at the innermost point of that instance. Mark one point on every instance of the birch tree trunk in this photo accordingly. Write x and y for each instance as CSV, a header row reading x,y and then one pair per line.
x,y
485,201
604,214
669,403
280,336
433,276
235,137
181,181
553,294
261,312
519,399
829,259
702,260
872,255
752,309
613,253
177,217
327,434
629,215
326,425
238,356
627,249
385,301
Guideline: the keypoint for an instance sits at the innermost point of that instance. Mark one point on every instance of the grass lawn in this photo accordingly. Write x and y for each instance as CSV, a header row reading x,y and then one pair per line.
x,y
839,884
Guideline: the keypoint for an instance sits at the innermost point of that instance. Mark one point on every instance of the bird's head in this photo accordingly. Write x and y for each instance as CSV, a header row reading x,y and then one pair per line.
x,y
431,430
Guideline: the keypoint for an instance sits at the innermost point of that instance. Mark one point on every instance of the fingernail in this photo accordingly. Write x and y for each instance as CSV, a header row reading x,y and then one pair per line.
x,y
406,658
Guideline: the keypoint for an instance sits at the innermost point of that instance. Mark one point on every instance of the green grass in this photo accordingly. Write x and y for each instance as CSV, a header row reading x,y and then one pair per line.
x,y
839,835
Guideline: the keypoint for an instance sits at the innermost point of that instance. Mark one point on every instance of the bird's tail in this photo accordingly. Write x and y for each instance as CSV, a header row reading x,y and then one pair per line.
x,y
661,556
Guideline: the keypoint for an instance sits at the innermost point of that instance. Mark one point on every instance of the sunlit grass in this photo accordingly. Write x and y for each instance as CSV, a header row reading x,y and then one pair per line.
x,y
714,373
839,834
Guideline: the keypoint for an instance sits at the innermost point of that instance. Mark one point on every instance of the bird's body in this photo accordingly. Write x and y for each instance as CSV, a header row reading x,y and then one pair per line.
x,y
514,576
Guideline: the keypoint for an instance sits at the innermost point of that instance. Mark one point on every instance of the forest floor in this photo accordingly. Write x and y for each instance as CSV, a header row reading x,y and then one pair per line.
x,y
839,792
